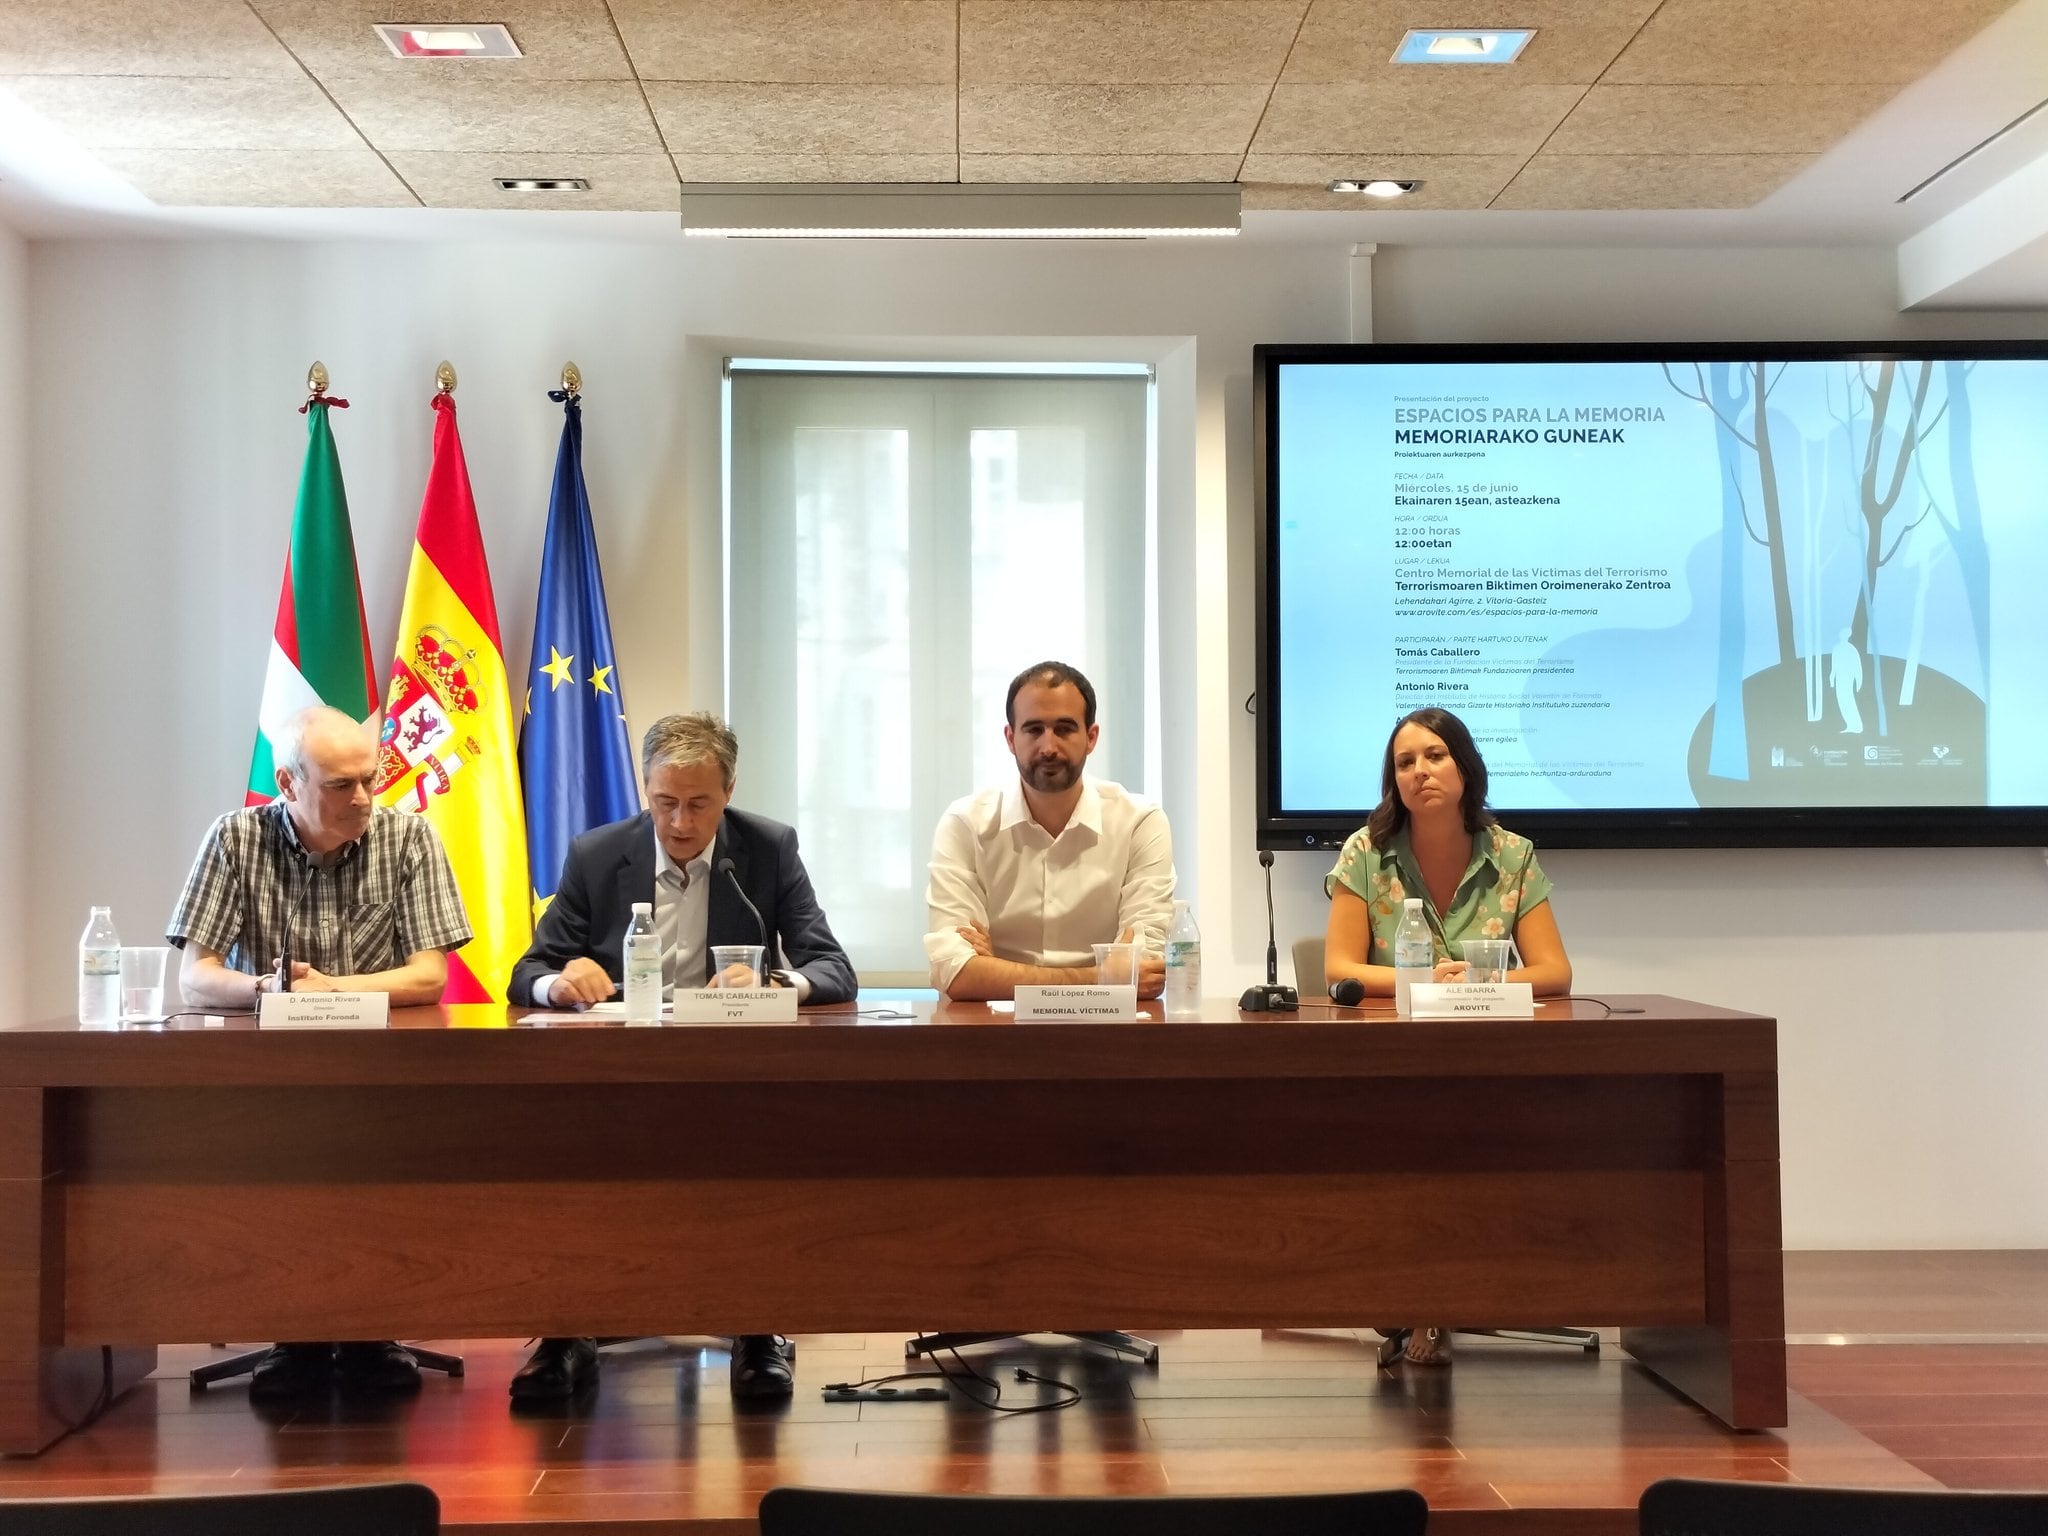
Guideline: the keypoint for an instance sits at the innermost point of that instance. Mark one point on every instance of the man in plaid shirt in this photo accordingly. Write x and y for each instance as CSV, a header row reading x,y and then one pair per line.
x,y
362,899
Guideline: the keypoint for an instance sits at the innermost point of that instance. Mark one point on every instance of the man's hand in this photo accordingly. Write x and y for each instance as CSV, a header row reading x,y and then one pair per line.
x,y
976,935
582,982
734,977
306,979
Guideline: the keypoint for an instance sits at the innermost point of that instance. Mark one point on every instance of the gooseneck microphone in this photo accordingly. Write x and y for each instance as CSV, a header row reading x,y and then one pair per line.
x,y
283,979
1272,997
725,868
1272,942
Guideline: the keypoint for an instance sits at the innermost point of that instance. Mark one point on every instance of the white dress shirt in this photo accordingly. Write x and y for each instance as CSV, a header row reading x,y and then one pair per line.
x,y
682,918
1047,900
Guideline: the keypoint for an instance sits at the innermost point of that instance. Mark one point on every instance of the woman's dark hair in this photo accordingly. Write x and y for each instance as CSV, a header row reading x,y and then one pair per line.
x,y
1390,815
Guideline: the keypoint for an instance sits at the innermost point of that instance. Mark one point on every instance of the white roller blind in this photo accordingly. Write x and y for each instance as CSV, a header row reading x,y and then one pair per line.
x,y
898,548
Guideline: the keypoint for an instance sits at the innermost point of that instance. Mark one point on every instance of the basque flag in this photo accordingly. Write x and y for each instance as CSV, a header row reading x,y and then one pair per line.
x,y
573,754
320,643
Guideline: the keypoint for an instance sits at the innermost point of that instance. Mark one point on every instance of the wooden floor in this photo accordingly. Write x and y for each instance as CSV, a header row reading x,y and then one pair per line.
x,y
1514,1438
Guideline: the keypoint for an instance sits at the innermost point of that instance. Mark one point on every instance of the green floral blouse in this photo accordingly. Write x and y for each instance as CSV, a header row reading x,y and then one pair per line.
x,y
1502,881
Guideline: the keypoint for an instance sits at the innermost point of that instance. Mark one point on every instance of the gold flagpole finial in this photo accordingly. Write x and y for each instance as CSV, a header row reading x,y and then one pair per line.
x,y
572,379
444,377
316,380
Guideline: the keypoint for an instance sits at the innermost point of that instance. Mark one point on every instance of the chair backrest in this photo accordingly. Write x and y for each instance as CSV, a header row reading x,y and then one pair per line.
x,y
830,1512
1680,1506
1308,968
371,1509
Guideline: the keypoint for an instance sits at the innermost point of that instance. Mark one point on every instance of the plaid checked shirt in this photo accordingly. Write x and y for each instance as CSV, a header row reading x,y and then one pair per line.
x,y
385,896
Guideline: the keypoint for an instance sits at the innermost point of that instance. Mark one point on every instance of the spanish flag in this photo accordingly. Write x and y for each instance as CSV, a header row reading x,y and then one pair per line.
x,y
448,748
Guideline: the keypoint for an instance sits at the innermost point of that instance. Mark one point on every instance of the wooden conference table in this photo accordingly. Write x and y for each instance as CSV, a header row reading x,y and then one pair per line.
x,y
453,1177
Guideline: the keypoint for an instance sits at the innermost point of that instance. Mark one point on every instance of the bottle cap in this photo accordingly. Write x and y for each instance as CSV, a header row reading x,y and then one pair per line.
x,y
1412,904
643,906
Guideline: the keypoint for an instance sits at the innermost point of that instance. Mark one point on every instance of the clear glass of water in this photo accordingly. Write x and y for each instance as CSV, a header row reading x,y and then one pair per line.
x,y
142,982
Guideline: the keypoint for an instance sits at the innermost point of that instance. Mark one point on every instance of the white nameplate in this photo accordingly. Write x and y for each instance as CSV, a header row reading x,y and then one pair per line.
x,y
1077,1003
735,1005
325,1010
1473,1000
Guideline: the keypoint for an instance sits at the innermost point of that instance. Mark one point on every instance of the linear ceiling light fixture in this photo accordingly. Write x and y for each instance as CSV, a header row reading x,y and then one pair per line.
x,y
448,40
542,184
1464,45
950,211
1376,187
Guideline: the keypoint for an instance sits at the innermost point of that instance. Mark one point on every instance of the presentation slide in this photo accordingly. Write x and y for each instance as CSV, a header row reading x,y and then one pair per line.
x,y
1668,585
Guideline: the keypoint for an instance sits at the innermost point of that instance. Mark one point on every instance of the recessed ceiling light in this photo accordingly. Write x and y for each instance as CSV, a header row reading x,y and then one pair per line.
x,y
444,40
542,184
1463,45
1379,187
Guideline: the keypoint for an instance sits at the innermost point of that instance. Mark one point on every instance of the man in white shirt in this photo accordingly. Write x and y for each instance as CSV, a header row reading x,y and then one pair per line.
x,y
1026,879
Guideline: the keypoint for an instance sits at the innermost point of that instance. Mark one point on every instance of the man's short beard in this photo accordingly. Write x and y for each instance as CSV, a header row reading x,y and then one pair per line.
x,y
1051,778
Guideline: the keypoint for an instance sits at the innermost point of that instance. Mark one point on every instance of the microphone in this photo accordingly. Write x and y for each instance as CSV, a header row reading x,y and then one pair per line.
x,y
1272,944
1272,997
284,952
725,868
1347,991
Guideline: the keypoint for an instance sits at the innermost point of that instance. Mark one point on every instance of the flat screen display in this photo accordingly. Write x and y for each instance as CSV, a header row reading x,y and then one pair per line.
x,y
1680,595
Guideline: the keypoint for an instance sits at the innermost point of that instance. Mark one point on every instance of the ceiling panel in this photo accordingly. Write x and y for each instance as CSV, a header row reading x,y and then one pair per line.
x,y
1649,181
261,178
1108,119
617,182
1490,115
804,119
1448,181
1754,42
790,41
1082,170
158,112
1353,41
558,39
1714,119
478,113
137,37
1126,42
806,169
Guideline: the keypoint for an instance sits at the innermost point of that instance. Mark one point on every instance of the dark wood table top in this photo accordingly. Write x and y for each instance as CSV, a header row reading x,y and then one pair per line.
x,y
885,1040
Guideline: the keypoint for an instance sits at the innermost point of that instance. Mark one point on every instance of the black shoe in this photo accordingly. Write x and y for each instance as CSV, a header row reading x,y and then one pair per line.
x,y
556,1369
292,1370
379,1366
763,1366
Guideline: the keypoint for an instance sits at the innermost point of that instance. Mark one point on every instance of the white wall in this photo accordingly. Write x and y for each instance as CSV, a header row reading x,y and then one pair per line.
x,y
164,452
16,696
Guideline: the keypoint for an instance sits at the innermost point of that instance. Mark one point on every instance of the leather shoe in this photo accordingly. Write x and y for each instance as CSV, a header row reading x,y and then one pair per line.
x,y
556,1369
292,1370
763,1366
379,1366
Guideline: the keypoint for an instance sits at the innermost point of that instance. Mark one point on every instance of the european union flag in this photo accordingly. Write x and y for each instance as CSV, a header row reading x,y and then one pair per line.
x,y
573,753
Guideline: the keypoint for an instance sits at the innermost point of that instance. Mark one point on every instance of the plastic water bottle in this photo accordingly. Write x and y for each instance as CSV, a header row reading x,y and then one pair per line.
x,y
99,971
1183,964
1414,955
643,966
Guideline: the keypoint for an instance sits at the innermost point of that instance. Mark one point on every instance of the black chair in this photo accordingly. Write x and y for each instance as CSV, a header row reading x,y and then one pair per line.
x,y
1114,1340
1683,1506
370,1509
829,1512
204,1376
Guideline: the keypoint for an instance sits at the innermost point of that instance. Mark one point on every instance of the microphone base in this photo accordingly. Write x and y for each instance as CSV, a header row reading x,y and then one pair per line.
x,y
1269,998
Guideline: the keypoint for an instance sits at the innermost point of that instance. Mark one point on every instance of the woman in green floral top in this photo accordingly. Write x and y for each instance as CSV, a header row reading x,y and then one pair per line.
x,y
1431,837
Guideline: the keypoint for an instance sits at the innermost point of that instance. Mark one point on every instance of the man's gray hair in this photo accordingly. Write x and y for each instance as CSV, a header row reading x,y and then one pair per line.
x,y
288,746
683,741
